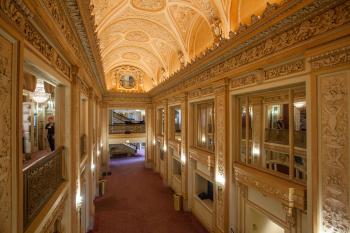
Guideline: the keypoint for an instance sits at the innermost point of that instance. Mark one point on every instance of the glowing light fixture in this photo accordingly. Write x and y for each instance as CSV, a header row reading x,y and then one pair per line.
x,y
203,139
93,166
164,148
39,95
299,104
220,179
154,141
78,200
183,158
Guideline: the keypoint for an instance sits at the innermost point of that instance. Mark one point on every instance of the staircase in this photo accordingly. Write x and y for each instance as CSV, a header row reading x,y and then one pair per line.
x,y
122,150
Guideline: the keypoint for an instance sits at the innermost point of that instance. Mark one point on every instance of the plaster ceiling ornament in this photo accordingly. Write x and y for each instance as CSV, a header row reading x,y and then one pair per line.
x,y
138,36
128,78
131,56
149,5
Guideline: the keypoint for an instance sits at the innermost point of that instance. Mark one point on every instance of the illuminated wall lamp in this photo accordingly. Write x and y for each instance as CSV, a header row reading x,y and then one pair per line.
x,y
78,200
164,147
183,158
220,179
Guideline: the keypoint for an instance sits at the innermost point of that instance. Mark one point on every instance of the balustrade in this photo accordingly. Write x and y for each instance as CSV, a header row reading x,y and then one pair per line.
x,y
127,128
40,181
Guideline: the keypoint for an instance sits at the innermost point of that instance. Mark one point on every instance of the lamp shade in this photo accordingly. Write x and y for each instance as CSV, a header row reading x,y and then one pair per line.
x,y
39,95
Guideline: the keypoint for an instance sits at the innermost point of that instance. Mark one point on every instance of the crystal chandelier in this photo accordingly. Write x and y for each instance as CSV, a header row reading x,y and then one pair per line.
x,y
39,95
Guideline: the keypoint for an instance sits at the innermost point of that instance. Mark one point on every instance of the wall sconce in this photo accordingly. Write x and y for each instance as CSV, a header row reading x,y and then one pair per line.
x,y
98,153
183,158
164,148
256,151
203,139
93,166
78,200
220,179
299,104
154,141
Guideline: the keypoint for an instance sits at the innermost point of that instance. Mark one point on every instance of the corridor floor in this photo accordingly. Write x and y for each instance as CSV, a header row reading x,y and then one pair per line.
x,y
136,201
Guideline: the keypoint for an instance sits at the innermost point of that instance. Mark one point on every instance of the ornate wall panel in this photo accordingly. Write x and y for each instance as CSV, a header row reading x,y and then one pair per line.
x,y
334,96
8,117
220,155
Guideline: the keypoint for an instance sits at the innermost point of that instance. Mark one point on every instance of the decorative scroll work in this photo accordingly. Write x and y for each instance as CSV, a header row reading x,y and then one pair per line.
x,y
334,154
285,69
6,118
333,58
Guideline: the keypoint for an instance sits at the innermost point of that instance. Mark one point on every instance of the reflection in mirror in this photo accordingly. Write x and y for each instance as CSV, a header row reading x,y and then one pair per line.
x,y
205,125
300,123
277,161
177,123
277,123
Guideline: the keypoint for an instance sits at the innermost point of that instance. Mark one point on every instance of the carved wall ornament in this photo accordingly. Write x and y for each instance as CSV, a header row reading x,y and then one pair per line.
x,y
146,5
56,216
3,67
334,106
128,79
285,69
6,132
63,66
333,58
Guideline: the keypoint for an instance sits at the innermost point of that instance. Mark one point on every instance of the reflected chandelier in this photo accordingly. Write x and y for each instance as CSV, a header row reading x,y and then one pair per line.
x,y
39,95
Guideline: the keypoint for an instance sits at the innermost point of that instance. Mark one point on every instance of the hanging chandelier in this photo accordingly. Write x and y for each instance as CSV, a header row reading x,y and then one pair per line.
x,y
39,95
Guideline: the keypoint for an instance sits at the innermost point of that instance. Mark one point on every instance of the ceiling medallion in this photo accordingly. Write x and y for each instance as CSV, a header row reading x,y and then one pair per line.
x,y
148,5
137,36
131,56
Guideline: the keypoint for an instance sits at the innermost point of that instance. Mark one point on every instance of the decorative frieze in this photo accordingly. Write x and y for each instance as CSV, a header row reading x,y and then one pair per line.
x,y
37,40
334,154
201,92
285,69
331,59
247,80
289,193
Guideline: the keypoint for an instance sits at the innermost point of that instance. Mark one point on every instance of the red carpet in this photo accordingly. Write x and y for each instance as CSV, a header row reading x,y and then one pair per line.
x,y
136,201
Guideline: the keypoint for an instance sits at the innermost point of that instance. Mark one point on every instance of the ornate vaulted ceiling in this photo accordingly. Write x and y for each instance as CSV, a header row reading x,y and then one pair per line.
x,y
155,38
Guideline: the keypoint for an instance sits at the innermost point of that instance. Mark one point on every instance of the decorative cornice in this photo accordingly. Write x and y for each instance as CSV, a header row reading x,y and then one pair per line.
x,y
330,59
80,27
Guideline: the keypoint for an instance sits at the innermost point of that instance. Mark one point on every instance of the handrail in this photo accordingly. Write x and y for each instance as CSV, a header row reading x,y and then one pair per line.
x,y
40,181
127,128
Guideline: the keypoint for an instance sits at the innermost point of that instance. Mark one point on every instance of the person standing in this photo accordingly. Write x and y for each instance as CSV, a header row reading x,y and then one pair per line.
x,y
51,132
